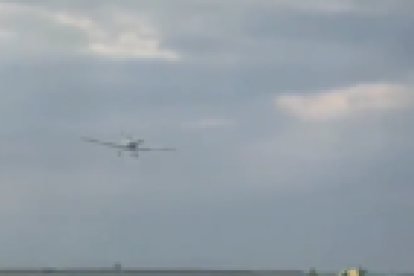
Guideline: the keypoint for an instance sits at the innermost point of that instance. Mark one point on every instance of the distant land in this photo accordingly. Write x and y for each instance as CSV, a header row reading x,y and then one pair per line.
x,y
111,269
117,269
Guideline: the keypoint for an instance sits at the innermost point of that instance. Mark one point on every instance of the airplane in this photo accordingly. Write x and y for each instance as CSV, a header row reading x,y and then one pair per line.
x,y
130,145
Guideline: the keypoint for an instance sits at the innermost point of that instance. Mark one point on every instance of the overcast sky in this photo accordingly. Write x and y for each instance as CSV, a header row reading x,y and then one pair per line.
x,y
293,122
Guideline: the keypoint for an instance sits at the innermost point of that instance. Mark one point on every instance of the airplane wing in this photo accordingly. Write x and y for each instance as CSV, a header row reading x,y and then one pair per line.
x,y
156,149
103,143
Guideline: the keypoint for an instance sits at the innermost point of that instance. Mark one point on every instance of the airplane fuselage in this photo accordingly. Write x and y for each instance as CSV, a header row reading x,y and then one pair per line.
x,y
129,145
132,146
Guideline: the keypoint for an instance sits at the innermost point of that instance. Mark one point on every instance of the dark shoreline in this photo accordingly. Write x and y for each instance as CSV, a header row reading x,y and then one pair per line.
x,y
139,270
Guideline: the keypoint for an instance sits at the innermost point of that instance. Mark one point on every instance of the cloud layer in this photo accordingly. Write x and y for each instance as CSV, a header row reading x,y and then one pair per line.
x,y
341,102
42,29
293,122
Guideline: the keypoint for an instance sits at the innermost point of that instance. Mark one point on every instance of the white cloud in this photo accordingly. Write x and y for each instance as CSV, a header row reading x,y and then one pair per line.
x,y
117,35
318,5
336,6
338,103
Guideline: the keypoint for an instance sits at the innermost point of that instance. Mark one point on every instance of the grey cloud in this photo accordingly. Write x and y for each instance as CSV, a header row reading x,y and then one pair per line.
x,y
271,227
353,45
34,27
354,151
321,48
160,5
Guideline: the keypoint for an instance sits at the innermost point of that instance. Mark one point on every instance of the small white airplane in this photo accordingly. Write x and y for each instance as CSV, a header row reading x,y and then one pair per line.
x,y
130,145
